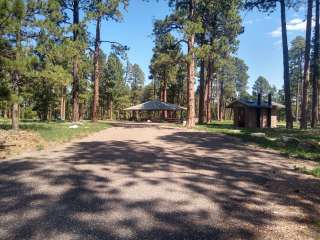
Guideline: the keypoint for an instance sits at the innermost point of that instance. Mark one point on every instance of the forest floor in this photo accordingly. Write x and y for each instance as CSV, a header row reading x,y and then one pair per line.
x,y
140,181
35,135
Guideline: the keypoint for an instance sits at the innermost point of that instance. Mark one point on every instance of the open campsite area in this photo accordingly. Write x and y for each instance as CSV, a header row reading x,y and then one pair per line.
x,y
167,183
159,119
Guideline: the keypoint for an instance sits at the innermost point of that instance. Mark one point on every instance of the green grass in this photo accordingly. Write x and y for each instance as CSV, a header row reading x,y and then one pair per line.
x,y
57,131
272,139
314,172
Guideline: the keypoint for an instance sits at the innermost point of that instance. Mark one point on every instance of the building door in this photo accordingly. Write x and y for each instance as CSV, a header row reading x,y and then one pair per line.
x,y
241,117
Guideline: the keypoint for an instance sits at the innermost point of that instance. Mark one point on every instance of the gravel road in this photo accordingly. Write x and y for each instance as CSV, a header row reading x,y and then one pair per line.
x,y
159,183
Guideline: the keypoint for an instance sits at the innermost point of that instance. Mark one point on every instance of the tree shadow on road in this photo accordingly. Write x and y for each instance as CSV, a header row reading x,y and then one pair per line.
x,y
180,189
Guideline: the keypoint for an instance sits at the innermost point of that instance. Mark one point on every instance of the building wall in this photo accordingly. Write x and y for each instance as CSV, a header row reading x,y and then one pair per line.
x,y
236,117
274,118
251,118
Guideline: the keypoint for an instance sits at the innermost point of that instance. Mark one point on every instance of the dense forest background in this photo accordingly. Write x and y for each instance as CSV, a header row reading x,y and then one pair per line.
x,y
53,68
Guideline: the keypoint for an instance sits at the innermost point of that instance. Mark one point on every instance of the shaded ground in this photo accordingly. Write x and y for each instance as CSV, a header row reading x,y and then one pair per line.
x,y
157,183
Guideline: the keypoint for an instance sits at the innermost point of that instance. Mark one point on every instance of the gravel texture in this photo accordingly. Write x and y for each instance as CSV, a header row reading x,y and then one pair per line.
x,y
150,182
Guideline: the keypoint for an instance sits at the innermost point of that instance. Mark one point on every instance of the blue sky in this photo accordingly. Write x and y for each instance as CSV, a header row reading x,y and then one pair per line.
x,y
260,44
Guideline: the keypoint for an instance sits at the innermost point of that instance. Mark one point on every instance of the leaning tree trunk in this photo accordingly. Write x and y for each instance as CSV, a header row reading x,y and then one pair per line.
x,y
75,72
306,74
286,76
96,72
315,76
191,66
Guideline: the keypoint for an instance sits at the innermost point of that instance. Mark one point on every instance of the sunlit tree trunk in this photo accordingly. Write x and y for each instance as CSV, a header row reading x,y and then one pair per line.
x,y
15,107
202,94
191,68
208,87
306,73
165,96
96,72
218,88
63,103
286,75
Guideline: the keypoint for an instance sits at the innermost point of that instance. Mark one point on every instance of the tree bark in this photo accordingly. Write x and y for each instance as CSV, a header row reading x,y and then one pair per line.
x,y
315,76
96,73
202,94
165,97
75,72
221,105
209,81
15,105
286,75
218,88
306,74
63,103
190,67
297,100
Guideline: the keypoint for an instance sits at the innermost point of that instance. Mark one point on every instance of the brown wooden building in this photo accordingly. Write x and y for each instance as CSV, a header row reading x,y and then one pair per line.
x,y
255,114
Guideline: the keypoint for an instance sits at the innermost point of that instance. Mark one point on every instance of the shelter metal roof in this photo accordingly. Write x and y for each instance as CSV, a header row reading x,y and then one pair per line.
x,y
155,105
254,104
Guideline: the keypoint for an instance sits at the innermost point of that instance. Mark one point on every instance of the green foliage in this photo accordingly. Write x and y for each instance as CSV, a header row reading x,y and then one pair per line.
x,y
262,86
113,87
233,74
136,79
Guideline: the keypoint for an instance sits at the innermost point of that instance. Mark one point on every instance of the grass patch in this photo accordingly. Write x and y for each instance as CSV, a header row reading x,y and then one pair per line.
x,y
314,172
272,139
57,131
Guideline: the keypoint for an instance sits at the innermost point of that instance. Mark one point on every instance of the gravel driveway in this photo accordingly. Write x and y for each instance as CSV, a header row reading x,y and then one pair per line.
x,y
150,182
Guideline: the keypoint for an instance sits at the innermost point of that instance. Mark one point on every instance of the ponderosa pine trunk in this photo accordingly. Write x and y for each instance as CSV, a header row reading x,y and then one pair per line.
x,y
15,106
202,94
297,101
75,72
190,67
202,85
221,105
315,75
306,72
96,72
165,97
208,89
217,99
63,103
286,75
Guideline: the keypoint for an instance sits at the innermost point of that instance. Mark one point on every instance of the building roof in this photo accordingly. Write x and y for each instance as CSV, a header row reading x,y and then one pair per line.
x,y
155,105
254,104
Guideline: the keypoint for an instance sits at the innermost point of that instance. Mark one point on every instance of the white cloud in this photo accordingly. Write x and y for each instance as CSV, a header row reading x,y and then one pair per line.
x,y
293,25
276,33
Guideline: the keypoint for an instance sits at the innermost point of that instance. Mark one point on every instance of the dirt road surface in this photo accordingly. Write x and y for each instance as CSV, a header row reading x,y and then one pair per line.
x,y
149,182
